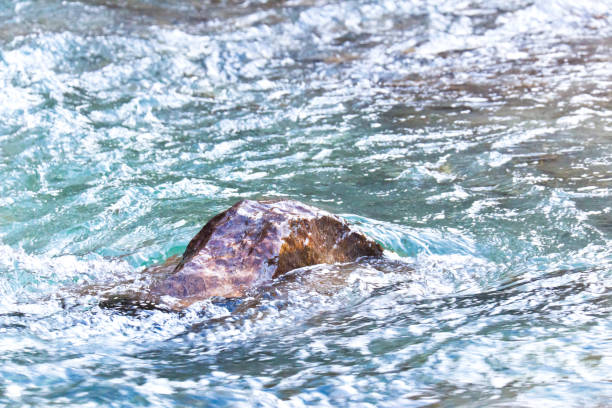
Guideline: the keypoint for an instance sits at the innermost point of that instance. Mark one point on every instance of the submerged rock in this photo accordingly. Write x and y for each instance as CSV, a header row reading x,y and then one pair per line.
x,y
255,241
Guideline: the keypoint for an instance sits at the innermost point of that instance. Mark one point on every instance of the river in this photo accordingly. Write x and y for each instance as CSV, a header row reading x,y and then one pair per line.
x,y
472,139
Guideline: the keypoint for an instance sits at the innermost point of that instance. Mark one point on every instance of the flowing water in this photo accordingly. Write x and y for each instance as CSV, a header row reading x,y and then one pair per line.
x,y
472,139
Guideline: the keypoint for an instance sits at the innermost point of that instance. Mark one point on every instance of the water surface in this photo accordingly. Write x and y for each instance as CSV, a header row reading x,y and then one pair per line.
x,y
472,139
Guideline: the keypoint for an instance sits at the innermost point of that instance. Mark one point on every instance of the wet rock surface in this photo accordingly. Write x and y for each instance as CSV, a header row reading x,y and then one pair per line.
x,y
255,241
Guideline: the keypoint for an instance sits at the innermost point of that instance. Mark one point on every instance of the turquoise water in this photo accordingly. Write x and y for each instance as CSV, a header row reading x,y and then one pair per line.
x,y
472,139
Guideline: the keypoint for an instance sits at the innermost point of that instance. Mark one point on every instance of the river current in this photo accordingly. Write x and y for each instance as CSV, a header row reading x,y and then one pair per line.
x,y
472,139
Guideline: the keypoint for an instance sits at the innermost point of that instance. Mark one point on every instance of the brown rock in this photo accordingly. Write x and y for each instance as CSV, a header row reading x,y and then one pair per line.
x,y
255,241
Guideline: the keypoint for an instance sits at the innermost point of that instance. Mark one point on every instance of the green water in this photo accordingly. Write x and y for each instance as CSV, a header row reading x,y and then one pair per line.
x,y
471,139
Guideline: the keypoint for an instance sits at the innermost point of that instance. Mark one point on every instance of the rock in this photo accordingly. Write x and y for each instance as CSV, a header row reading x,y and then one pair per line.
x,y
254,242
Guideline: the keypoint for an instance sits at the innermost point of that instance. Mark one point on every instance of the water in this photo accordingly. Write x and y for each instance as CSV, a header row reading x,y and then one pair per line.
x,y
472,139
